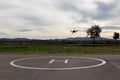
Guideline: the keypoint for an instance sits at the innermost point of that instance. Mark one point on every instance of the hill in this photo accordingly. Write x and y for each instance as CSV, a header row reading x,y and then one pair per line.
x,y
86,39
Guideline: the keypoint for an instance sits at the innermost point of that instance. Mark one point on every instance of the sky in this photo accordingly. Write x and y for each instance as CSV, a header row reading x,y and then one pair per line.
x,y
50,19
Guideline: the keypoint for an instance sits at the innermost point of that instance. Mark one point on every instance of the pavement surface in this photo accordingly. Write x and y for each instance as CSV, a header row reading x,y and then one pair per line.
x,y
57,67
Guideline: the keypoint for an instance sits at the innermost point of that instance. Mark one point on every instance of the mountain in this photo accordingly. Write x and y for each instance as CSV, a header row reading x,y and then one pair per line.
x,y
14,39
85,39
68,39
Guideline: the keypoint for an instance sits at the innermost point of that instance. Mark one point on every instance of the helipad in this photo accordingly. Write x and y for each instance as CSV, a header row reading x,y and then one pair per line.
x,y
57,63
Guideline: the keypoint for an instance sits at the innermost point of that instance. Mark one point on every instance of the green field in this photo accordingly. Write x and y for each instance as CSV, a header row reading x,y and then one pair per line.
x,y
59,49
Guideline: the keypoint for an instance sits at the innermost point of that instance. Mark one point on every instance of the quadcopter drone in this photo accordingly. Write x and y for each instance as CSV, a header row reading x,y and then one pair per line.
x,y
74,31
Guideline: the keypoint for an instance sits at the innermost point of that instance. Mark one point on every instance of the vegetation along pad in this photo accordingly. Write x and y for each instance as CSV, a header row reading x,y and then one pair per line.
x,y
60,49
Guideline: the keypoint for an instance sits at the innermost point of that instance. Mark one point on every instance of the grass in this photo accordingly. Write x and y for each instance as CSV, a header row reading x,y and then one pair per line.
x,y
59,49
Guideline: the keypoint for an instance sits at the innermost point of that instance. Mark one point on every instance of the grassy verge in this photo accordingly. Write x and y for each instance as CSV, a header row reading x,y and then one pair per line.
x,y
59,49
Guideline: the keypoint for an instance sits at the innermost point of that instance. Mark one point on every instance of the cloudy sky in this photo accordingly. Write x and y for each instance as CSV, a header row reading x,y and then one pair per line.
x,y
48,19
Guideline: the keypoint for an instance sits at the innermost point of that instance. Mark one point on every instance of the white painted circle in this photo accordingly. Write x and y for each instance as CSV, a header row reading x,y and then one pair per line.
x,y
69,68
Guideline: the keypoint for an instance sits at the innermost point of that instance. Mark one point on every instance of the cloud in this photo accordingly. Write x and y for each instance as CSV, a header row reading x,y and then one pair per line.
x,y
111,27
2,6
34,20
89,10
25,30
50,18
105,11
2,33
5,5
78,11
28,30
67,6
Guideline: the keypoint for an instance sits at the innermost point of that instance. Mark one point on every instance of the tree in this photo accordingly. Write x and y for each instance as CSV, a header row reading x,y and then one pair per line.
x,y
94,31
116,35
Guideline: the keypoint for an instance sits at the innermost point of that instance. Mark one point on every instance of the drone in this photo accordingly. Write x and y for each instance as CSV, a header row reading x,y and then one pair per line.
x,y
74,31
